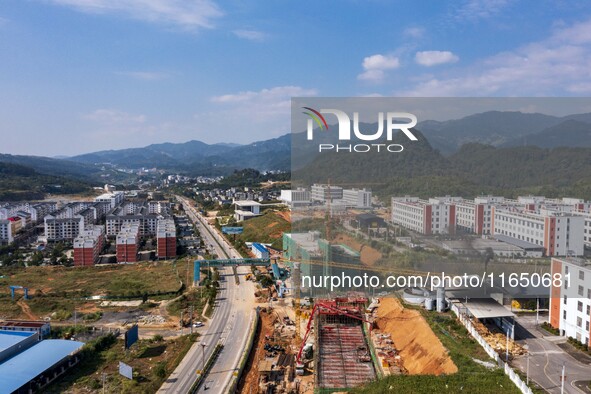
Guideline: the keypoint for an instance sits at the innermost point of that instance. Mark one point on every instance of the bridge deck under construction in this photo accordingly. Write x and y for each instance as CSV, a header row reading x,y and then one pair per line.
x,y
344,359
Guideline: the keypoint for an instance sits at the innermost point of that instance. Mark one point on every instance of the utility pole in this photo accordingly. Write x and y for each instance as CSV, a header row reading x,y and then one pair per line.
x,y
191,319
203,344
527,373
537,311
562,379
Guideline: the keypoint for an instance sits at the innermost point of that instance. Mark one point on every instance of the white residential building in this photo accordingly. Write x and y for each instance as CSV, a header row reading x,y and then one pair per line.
x,y
570,304
6,236
114,198
357,198
323,193
560,233
433,216
475,216
295,198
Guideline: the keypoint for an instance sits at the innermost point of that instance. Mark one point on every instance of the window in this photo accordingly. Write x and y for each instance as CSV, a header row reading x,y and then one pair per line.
x,y
579,322
580,306
564,301
581,275
588,310
564,315
581,291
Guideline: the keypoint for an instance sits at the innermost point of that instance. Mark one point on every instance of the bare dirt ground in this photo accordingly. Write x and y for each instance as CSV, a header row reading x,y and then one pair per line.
x,y
421,351
251,372
369,255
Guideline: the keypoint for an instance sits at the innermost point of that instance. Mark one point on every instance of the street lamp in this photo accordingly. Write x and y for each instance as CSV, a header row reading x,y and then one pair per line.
x,y
203,345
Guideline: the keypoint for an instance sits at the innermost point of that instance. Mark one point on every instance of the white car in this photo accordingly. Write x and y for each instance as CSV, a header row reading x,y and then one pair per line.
x,y
198,324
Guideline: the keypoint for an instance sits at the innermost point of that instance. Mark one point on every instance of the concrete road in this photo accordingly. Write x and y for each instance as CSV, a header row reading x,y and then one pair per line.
x,y
547,358
229,324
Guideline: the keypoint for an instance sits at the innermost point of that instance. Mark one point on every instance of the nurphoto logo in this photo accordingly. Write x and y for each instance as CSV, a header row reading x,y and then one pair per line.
x,y
392,121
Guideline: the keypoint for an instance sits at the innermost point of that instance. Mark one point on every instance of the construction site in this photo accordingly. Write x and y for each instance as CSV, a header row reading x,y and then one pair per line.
x,y
341,343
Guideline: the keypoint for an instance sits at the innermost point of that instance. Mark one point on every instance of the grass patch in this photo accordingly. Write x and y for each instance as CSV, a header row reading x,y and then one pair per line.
x,y
60,290
152,361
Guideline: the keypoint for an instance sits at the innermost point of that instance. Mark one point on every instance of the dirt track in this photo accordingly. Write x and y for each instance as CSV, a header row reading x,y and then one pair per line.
x,y
421,351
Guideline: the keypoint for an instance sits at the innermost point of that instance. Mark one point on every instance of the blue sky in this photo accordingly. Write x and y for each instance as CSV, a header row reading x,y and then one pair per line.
x,y
85,75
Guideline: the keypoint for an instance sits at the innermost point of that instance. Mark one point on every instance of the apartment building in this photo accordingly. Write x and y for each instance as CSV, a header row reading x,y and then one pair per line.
x,y
559,232
166,239
112,198
475,216
6,235
37,211
143,214
570,304
63,229
433,216
127,243
88,246
357,198
324,193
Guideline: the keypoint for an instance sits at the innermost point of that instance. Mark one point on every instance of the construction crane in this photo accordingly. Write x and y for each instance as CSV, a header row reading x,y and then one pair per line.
x,y
317,308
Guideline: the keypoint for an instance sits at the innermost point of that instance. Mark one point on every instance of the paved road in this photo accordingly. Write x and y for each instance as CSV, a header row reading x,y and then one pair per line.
x,y
546,359
229,324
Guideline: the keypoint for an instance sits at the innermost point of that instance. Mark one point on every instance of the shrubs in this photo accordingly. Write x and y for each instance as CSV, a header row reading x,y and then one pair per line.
x,y
159,370
546,326
579,345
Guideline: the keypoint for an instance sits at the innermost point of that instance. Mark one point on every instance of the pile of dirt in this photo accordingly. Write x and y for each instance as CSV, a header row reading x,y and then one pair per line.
x,y
421,351
369,255
498,340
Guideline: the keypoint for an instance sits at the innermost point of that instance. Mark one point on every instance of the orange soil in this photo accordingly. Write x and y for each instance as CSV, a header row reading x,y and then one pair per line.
x,y
369,255
251,371
285,215
421,351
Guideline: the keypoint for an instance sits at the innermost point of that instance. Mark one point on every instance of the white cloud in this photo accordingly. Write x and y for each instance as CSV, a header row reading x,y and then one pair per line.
x,y
556,65
380,62
145,75
473,10
254,115
414,32
279,94
114,117
433,58
375,66
186,14
251,35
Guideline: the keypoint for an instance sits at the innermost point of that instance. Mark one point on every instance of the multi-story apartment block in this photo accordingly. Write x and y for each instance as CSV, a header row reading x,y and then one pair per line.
x,y
6,235
166,239
570,303
323,193
127,243
475,216
433,216
113,198
88,245
560,233
137,213
357,198
58,229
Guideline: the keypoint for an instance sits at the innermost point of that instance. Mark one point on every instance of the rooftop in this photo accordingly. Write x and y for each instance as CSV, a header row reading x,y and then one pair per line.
x,y
11,338
22,368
